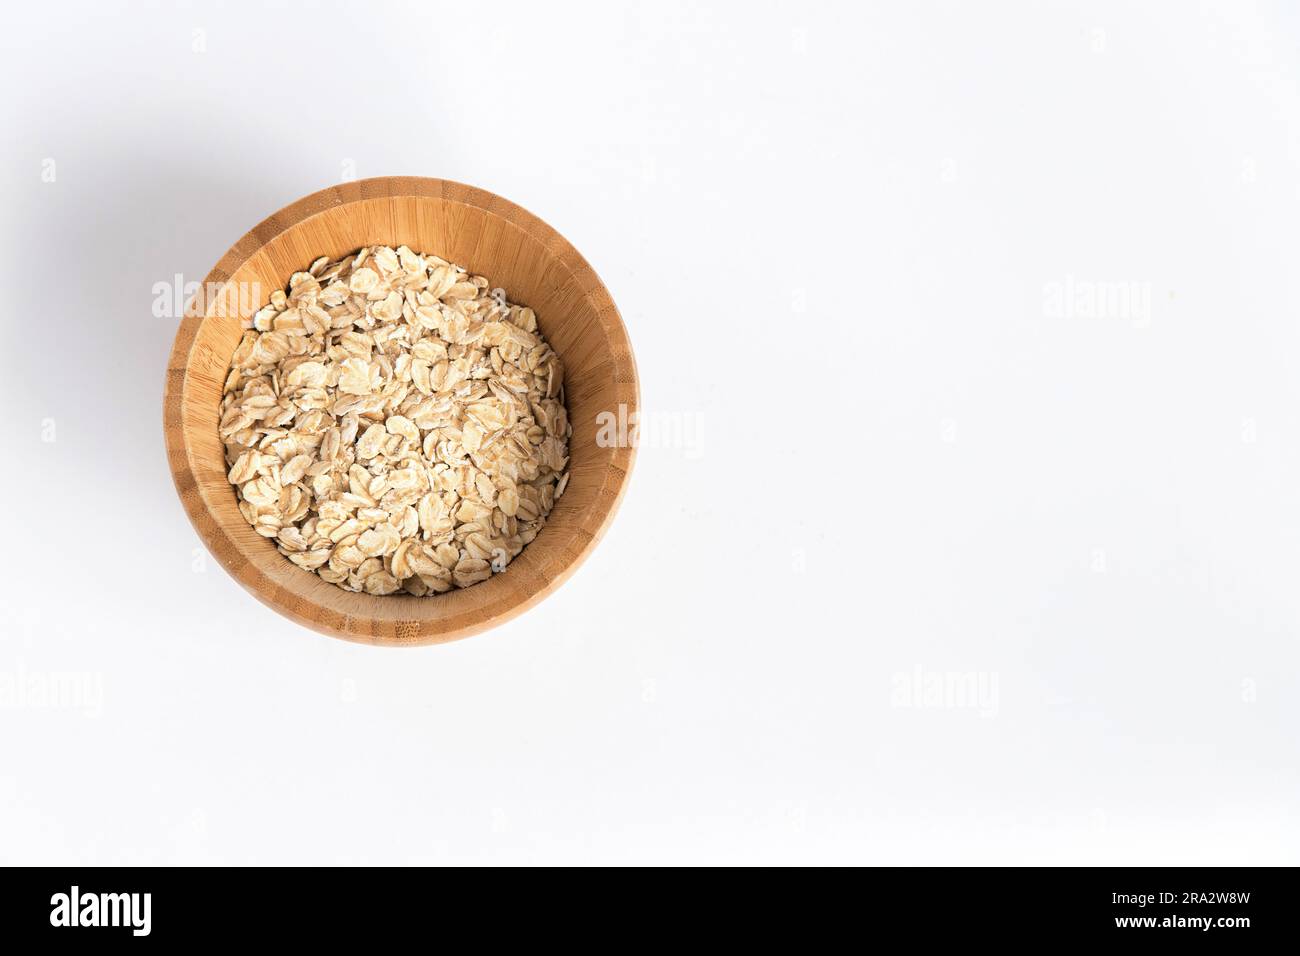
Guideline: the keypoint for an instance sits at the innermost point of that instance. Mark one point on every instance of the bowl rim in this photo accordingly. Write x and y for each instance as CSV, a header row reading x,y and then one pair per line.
x,y
184,475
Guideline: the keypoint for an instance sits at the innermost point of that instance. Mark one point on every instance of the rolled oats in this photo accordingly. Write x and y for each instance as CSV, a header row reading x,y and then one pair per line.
x,y
395,424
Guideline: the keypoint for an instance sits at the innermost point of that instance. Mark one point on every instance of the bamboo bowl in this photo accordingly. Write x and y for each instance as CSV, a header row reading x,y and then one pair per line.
x,y
487,235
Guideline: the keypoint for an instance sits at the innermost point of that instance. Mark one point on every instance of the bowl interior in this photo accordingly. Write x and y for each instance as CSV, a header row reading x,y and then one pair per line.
x,y
488,236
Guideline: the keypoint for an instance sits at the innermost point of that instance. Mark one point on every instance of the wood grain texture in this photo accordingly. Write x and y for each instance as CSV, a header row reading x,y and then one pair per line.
x,y
490,237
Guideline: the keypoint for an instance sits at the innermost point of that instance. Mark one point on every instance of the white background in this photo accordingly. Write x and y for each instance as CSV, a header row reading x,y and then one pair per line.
x,y
888,453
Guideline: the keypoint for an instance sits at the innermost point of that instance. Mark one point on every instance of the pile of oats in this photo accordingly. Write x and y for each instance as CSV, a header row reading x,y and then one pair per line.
x,y
394,425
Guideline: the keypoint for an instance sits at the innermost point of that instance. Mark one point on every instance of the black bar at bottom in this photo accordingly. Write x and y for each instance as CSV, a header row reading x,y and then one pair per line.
x,y
94,905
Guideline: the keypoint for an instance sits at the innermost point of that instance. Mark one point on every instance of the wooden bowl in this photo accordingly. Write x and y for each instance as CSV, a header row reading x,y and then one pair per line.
x,y
487,235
